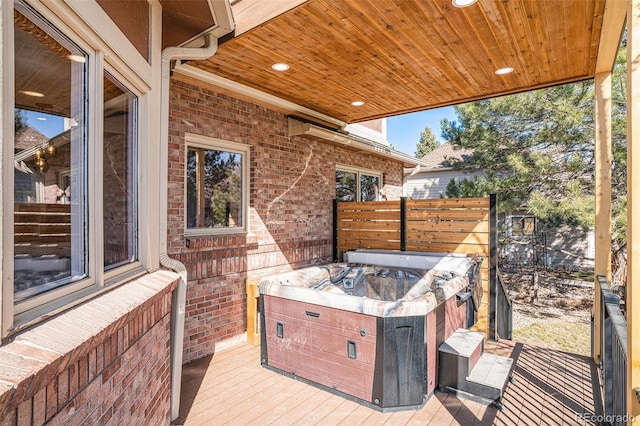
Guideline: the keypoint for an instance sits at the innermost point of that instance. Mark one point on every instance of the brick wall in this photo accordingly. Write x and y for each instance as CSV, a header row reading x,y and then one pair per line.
x,y
94,364
292,186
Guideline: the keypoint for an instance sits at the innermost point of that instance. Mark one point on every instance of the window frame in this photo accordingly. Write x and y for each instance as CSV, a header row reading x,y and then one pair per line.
x,y
522,218
204,142
95,36
360,171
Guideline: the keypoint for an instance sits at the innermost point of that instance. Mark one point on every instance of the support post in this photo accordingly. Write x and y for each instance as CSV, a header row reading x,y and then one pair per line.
x,y
334,253
403,223
632,292
602,199
493,264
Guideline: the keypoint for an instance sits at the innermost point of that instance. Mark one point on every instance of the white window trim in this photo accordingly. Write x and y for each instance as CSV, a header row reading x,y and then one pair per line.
x,y
199,141
359,171
92,30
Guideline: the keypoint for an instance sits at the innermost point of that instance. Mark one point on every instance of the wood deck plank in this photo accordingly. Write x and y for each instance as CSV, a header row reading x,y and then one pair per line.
x,y
232,388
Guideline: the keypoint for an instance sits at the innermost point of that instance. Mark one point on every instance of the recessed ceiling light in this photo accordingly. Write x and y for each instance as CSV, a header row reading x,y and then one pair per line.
x,y
505,70
42,119
280,66
463,3
77,58
357,103
30,93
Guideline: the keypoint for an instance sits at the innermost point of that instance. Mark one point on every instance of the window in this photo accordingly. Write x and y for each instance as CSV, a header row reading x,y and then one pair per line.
x,y
119,175
50,221
75,170
523,225
216,186
357,185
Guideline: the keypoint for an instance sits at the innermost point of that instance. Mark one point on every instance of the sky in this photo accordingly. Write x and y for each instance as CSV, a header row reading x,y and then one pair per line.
x,y
47,124
403,131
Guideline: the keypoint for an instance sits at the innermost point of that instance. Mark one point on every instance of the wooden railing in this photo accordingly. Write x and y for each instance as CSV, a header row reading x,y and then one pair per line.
x,y
449,225
42,229
613,355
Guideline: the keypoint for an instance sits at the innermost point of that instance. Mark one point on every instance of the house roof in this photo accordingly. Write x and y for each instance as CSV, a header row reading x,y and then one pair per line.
x,y
28,137
441,157
411,55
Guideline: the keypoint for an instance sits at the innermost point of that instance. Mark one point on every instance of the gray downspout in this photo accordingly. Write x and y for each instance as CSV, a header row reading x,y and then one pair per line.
x,y
180,294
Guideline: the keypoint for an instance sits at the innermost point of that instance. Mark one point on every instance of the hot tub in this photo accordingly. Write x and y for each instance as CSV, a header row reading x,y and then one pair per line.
x,y
368,328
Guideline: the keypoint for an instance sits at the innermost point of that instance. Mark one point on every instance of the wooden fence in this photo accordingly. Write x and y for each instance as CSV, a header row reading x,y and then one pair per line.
x,y
42,229
449,225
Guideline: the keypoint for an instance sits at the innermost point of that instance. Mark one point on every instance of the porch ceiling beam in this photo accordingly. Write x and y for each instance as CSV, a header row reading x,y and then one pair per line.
x,y
613,20
249,14
633,206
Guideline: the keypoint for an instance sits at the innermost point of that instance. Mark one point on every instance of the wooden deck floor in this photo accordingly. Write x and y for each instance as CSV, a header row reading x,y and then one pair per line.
x,y
231,388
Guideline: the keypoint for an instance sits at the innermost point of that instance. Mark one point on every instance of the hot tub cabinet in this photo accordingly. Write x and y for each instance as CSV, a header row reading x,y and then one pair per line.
x,y
368,332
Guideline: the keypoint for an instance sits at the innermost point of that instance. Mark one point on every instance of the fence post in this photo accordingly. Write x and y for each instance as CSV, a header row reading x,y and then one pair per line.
x,y
403,223
493,264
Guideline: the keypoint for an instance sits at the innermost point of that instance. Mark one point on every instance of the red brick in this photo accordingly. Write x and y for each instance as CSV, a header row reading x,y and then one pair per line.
x,y
25,413
40,407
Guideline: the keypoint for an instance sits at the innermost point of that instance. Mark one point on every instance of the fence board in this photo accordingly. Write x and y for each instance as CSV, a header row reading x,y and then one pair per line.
x,y
42,208
448,248
448,237
370,235
369,215
369,205
446,215
448,226
370,225
467,203
344,245
44,229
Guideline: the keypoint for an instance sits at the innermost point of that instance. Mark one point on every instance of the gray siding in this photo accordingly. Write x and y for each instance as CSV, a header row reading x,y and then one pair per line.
x,y
433,183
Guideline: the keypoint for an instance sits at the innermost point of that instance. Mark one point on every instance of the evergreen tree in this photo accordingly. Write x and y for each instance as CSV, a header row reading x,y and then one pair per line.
x,y
427,143
537,152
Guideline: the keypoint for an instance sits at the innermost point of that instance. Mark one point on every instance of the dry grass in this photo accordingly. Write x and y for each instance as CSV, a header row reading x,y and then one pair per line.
x,y
555,313
573,337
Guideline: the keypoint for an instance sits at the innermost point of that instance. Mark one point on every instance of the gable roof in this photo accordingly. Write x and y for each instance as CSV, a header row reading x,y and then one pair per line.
x,y
440,158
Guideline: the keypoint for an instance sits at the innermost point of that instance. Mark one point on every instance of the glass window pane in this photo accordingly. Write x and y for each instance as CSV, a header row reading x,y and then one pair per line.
x,y
529,226
369,188
516,226
346,189
50,242
119,175
214,189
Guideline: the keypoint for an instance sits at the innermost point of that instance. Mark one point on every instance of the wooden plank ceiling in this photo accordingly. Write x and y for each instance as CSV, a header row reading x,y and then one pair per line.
x,y
410,55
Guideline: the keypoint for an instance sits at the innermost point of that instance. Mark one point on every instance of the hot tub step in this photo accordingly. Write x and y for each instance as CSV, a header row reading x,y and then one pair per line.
x,y
489,377
466,369
459,355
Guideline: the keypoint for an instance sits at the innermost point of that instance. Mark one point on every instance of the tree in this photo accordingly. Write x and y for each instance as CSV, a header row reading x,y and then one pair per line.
x,y
427,143
537,152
